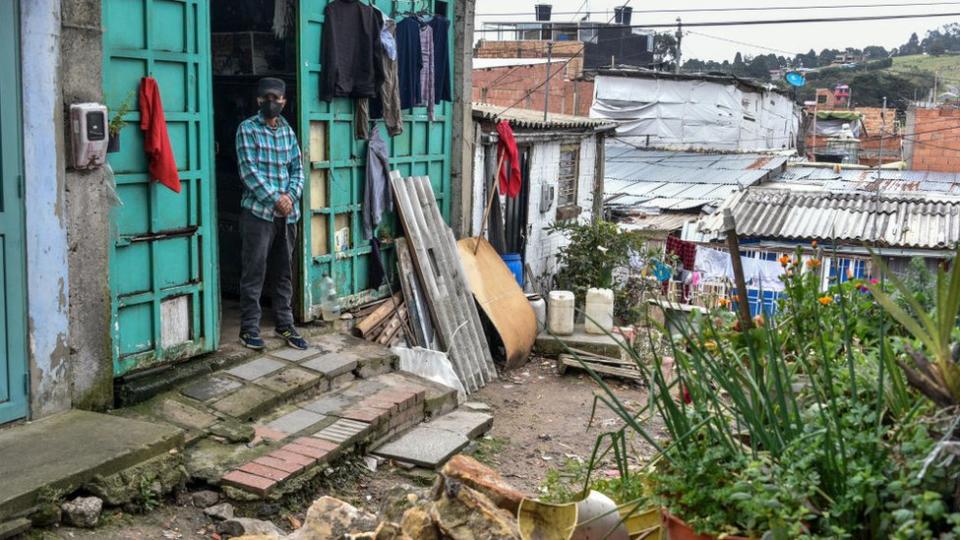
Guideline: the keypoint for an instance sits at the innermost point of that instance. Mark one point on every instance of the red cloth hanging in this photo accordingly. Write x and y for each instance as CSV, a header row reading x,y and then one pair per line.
x,y
510,178
156,140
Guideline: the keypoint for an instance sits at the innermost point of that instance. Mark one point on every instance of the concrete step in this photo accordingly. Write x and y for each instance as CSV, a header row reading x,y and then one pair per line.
x,y
64,452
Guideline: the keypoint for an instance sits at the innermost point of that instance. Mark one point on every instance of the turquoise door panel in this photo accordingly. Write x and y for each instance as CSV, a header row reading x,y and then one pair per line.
x,y
13,351
163,266
333,241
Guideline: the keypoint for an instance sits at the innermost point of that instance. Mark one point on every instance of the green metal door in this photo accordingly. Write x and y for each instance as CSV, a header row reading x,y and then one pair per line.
x,y
332,231
13,350
163,268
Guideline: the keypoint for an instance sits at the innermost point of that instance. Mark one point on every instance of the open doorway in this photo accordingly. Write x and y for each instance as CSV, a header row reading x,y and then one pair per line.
x,y
250,39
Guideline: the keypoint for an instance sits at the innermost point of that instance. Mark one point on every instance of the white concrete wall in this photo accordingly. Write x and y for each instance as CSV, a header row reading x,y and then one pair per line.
x,y
542,247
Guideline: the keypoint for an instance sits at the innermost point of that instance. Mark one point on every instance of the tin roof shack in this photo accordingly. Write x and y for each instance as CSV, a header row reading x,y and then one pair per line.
x,y
895,220
695,111
562,166
660,192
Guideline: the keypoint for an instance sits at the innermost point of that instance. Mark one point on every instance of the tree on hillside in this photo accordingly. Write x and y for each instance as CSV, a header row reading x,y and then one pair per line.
x,y
912,46
827,56
875,52
665,48
937,47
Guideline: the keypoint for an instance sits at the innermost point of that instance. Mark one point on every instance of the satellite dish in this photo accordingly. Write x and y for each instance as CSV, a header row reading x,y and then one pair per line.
x,y
795,78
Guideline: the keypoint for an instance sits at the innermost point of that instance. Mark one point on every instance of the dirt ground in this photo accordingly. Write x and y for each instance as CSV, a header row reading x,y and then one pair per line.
x,y
541,420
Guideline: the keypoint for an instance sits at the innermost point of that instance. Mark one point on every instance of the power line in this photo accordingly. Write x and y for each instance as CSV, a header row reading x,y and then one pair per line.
x,y
736,9
744,43
817,20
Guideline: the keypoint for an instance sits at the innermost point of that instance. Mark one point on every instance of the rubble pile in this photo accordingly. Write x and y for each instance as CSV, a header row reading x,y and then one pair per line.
x,y
469,501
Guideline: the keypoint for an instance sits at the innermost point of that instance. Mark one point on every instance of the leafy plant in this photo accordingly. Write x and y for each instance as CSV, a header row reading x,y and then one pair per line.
x,y
797,428
939,380
117,122
592,258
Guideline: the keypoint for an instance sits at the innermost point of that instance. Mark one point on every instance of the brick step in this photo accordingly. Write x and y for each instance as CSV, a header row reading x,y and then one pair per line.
x,y
432,443
297,442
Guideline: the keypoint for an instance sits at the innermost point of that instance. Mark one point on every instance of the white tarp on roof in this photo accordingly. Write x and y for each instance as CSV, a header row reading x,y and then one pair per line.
x,y
696,114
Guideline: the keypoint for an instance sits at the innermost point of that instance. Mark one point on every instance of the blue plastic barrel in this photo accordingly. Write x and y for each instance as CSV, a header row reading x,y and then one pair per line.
x,y
515,264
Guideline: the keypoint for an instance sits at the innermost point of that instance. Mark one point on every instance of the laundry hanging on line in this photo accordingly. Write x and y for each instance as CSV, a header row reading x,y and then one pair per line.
x,y
351,50
717,265
511,180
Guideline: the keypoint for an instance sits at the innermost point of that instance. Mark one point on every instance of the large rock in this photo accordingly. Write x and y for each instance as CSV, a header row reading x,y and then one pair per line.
x,y
463,513
205,498
485,480
400,498
250,527
418,525
332,518
82,512
221,512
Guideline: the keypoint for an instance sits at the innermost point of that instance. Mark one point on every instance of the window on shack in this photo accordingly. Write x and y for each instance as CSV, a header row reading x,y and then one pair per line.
x,y
567,182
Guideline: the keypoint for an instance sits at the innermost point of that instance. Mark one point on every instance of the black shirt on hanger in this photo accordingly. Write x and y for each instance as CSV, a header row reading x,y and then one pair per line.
x,y
351,51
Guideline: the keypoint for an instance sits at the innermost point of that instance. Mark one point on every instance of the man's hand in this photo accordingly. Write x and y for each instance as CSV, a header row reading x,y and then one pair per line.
x,y
284,205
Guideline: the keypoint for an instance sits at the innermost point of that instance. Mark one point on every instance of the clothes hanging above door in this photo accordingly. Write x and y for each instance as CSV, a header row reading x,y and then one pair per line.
x,y
351,49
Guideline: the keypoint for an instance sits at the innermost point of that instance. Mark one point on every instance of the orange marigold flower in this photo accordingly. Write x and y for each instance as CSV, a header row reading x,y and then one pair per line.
x,y
758,321
814,244
813,264
825,300
784,260
710,345
850,274
723,302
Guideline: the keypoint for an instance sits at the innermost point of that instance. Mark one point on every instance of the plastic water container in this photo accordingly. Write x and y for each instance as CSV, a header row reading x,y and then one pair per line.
x,y
515,263
599,311
539,306
330,300
561,312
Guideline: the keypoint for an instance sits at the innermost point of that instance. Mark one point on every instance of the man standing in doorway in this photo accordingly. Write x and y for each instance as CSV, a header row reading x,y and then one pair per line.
x,y
271,168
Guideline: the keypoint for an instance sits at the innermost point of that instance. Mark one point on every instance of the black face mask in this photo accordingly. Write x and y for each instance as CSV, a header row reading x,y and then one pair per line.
x,y
270,109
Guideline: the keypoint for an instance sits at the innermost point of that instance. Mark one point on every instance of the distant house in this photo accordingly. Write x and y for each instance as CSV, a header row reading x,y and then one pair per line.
x,y
561,161
654,109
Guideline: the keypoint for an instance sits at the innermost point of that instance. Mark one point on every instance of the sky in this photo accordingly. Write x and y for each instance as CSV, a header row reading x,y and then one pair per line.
x,y
796,38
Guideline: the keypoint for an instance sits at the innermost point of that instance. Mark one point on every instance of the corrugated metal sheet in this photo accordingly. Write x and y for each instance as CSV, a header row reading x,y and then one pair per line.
x,y
658,222
530,119
872,181
656,179
903,220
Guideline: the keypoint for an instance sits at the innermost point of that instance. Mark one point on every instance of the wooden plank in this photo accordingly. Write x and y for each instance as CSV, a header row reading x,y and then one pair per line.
x,y
569,361
393,327
382,313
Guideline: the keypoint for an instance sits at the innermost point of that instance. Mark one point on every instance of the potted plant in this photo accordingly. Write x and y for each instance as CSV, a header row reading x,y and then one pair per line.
x,y
117,123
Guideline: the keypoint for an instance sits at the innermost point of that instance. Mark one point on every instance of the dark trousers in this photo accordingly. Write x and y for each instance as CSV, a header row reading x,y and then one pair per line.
x,y
267,245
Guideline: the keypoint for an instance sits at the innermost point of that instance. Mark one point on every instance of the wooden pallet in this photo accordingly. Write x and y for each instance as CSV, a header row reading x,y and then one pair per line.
x,y
602,365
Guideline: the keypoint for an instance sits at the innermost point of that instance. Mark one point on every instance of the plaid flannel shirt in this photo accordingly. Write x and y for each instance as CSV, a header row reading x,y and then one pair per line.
x,y
270,165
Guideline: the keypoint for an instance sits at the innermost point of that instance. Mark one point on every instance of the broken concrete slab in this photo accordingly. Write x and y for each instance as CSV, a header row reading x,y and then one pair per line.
x,y
296,355
467,423
65,451
14,527
296,421
332,365
602,344
184,415
424,446
290,381
256,368
246,403
210,387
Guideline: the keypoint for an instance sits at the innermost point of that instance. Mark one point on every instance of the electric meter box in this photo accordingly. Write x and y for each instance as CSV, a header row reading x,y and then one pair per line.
x,y
88,131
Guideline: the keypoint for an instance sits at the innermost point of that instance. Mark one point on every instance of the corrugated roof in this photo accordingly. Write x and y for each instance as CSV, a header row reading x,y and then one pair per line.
x,y
653,179
905,220
530,119
657,222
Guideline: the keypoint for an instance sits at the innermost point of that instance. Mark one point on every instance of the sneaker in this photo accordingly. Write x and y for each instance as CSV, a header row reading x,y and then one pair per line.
x,y
253,341
294,339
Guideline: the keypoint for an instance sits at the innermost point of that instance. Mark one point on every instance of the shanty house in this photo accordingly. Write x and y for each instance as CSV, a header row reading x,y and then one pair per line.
x,y
561,162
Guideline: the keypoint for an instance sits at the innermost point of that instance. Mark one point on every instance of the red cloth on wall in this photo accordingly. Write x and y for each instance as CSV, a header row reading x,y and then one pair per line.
x,y
156,140
685,251
510,178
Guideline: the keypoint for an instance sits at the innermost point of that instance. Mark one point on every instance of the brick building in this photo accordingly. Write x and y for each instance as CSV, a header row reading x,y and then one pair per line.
x,y
933,143
523,86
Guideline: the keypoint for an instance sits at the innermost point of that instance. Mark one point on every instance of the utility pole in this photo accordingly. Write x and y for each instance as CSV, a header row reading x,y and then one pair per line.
x,y
546,91
876,205
679,57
